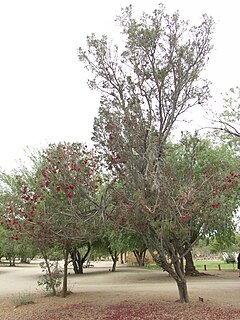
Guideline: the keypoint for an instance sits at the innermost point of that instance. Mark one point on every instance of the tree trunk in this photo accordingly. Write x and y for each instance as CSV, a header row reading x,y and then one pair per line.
x,y
181,281
189,267
23,260
121,258
140,256
114,263
65,271
182,290
114,256
78,260
177,273
52,285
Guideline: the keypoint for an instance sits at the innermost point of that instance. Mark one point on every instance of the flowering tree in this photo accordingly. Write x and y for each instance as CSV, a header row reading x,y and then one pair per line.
x,y
55,203
210,177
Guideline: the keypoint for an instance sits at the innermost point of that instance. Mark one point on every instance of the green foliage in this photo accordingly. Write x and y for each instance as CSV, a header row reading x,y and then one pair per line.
x,y
51,279
228,121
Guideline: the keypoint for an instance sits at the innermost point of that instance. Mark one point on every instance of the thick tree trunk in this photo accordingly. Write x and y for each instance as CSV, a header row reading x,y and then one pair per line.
x,y
182,290
140,256
65,271
78,260
189,266
177,273
181,281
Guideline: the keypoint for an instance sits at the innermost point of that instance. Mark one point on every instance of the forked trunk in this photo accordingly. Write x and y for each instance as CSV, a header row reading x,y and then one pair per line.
x,y
78,260
177,273
140,256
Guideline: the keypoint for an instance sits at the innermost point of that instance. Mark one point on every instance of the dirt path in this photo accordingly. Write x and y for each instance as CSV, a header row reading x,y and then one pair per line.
x,y
98,285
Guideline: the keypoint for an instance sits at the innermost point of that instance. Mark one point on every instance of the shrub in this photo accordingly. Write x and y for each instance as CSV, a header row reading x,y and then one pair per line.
x,y
22,299
50,281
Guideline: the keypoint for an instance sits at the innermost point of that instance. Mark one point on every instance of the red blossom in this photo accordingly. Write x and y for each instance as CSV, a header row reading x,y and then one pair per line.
x,y
58,188
215,205
70,187
69,195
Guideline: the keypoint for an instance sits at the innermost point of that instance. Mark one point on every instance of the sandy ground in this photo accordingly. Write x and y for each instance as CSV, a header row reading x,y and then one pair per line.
x,y
127,283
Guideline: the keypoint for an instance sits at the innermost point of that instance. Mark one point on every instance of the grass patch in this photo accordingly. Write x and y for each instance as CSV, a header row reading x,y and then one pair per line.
x,y
214,265
152,267
22,299
200,265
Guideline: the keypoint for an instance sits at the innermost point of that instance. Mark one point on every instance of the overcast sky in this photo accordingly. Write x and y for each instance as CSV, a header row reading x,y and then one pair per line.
x,y
43,93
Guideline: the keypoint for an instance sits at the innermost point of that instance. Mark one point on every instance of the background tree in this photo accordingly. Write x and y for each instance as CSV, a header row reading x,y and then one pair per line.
x,y
54,203
228,121
145,89
214,172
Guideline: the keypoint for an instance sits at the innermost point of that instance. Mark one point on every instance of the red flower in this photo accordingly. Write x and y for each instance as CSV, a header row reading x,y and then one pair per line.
x,y
69,195
58,188
215,205
182,218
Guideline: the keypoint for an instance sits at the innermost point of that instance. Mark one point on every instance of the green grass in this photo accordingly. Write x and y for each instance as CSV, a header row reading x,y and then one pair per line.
x,y
214,265
199,265
22,299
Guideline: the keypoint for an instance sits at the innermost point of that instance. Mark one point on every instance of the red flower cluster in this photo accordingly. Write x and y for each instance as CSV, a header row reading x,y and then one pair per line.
x,y
215,205
69,195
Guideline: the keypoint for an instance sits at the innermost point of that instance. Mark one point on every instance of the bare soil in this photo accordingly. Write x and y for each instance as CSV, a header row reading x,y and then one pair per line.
x,y
128,293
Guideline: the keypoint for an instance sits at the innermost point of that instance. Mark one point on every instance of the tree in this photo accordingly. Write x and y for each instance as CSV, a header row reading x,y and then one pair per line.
x,y
228,121
54,203
200,164
144,90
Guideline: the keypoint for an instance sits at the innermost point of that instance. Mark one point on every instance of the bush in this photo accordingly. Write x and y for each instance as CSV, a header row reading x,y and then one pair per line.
x,y
52,280
23,299
230,258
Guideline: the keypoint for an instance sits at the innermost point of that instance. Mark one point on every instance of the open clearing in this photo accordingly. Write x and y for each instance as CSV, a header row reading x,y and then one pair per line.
x,y
129,293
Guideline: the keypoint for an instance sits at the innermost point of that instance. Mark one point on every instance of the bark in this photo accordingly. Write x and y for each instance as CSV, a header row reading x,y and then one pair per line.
x,y
65,271
176,271
140,256
182,290
114,256
24,260
121,258
78,260
181,282
189,266
52,285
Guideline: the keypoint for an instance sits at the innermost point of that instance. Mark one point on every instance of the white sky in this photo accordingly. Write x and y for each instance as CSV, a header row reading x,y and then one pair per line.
x,y
43,93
